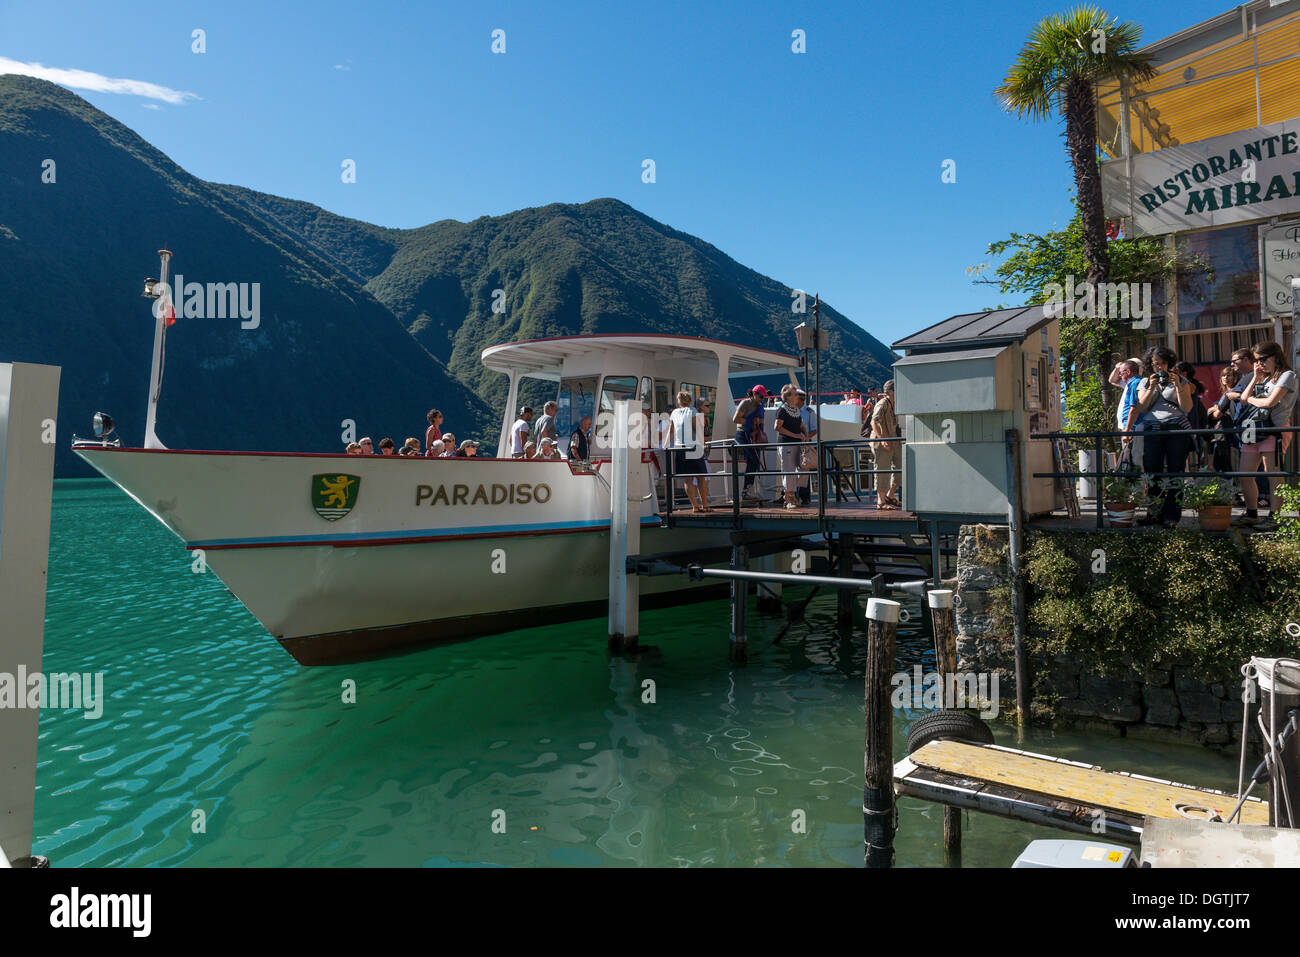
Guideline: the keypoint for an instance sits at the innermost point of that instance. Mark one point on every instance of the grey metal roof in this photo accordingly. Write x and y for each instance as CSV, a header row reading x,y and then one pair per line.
x,y
976,327
918,358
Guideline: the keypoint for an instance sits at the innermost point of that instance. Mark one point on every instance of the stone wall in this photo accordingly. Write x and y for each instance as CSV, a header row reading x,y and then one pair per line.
x,y
1162,700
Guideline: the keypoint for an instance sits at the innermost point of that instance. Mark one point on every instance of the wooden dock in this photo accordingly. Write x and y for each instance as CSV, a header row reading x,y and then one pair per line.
x,y
1041,789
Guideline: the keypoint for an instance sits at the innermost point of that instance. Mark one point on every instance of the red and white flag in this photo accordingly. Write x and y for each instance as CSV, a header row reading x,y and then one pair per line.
x,y
163,308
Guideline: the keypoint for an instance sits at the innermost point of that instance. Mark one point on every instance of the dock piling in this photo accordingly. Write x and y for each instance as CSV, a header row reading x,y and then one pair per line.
x,y
739,598
844,568
1015,542
945,662
879,814
769,593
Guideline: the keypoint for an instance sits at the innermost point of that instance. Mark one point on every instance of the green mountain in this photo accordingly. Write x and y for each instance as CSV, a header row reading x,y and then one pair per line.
x,y
74,252
564,269
357,322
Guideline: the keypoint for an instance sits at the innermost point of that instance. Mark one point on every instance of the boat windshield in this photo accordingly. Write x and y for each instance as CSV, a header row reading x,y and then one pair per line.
x,y
577,398
617,387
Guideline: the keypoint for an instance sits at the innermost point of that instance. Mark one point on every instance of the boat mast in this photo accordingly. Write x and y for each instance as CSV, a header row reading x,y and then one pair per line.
x,y
161,309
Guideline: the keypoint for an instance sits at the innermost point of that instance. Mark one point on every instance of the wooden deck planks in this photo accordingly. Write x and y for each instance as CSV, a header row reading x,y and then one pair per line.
x,y
1076,784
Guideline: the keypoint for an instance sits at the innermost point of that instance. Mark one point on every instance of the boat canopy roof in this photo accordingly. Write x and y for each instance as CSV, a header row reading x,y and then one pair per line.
x,y
545,358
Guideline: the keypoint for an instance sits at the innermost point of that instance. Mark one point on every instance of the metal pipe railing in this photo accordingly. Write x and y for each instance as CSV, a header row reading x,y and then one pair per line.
x,y
827,468
1098,474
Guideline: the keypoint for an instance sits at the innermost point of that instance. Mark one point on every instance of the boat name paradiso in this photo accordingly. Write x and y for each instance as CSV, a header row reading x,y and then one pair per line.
x,y
512,494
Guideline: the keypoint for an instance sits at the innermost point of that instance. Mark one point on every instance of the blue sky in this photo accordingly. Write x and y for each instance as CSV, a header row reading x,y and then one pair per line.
x,y
820,169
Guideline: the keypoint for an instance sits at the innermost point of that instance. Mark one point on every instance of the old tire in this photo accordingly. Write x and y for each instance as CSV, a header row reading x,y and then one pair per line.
x,y
947,726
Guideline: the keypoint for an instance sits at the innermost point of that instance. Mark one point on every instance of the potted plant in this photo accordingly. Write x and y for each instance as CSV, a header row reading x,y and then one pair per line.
x,y
1212,500
1123,495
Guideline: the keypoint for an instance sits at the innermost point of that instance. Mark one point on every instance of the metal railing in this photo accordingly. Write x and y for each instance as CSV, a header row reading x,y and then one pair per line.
x,y
829,471
1100,474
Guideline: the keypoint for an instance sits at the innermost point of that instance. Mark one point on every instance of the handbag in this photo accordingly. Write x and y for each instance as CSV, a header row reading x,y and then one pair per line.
x,y
1126,464
807,459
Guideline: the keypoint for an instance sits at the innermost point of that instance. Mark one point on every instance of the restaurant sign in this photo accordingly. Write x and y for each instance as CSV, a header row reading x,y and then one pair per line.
x,y
1249,175
1281,257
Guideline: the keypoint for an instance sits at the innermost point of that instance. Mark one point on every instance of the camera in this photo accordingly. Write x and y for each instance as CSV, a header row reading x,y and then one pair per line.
x,y
1163,378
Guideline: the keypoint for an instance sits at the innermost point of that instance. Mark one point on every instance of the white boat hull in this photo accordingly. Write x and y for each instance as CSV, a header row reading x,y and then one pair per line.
x,y
429,550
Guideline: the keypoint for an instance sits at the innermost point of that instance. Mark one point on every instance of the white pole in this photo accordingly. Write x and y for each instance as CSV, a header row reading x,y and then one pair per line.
x,y
639,482
29,398
618,484
508,421
159,340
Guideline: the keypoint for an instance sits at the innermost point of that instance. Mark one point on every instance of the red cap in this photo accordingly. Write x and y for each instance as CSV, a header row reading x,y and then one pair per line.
x,y
759,390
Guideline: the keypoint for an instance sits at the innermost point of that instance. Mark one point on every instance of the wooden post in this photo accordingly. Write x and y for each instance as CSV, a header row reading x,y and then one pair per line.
x,y
945,661
879,815
844,596
739,598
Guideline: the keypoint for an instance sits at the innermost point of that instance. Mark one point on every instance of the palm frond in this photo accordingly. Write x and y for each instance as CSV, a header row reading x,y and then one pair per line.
x,y
1061,48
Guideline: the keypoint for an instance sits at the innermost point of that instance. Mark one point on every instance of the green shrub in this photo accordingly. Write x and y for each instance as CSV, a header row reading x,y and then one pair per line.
x,y
1172,596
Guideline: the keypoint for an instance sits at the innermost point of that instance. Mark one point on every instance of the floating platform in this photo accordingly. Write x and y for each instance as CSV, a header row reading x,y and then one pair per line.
x,y
1041,789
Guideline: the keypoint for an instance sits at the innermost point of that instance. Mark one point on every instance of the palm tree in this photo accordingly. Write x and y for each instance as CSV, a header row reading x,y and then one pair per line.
x,y
1062,61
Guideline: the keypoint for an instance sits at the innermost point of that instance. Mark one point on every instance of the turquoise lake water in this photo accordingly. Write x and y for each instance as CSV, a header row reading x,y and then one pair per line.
x,y
539,731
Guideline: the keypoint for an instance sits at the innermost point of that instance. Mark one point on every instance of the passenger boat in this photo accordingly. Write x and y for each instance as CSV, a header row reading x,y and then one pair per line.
x,y
345,557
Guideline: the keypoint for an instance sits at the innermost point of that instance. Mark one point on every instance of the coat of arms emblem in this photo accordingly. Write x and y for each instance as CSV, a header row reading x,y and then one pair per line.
x,y
334,495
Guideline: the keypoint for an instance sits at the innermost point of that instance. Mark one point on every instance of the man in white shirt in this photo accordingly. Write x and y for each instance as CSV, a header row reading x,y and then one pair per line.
x,y
519,432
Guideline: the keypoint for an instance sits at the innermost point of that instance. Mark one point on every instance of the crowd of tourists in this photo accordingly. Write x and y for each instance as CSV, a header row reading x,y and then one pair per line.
x,y
437,443
1161,401
684,434
796,426
528,440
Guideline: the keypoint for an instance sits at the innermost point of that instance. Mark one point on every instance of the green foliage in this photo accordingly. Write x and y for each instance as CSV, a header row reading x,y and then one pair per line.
x,y
1085,43
1126,489
1289,528
1084,411
1198,493
1173,596
1035,262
